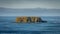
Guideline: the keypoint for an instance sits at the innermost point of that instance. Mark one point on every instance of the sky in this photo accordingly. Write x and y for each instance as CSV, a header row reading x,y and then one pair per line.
x,y
30,4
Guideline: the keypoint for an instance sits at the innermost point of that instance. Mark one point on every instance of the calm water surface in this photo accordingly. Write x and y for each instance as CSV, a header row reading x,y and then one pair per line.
x,y
8,24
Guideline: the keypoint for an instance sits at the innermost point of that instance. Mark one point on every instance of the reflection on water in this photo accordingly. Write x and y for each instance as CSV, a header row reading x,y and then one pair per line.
x,y
51,26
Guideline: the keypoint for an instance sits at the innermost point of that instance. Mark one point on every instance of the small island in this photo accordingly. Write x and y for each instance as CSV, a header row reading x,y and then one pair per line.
x,y
25,19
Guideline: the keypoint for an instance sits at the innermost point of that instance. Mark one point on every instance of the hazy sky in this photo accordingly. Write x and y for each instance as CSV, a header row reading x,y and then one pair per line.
x,y
48,4
30,3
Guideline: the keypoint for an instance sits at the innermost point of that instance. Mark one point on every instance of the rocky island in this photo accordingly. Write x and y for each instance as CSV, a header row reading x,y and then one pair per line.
x,y
25,19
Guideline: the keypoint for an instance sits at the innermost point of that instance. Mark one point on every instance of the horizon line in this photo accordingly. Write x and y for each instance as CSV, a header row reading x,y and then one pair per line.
x,y
30,8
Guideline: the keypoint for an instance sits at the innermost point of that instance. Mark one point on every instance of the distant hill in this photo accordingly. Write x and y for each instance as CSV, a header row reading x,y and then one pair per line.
x,y
31,11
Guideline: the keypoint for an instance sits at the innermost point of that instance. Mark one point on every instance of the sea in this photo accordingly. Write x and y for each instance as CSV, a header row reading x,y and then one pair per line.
x,y
8,25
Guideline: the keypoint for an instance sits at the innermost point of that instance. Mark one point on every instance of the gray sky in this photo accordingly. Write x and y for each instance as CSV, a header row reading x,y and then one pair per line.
x,y
31,4
55,4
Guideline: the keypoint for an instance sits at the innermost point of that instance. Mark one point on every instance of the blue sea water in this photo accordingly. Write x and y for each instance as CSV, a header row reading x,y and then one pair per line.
x,y
8,25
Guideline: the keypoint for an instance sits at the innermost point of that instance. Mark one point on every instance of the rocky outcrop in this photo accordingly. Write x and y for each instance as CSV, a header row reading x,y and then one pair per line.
x,y
28,19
